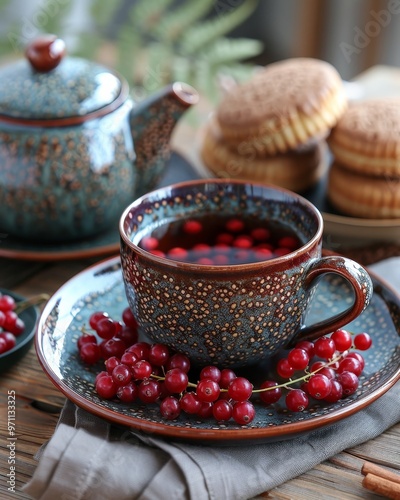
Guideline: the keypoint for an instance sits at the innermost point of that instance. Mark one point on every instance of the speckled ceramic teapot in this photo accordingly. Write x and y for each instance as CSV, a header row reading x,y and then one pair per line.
x,y
75,149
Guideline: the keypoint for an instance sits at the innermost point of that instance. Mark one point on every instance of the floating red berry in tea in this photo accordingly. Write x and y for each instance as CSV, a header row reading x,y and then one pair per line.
x,y
326,370
220,240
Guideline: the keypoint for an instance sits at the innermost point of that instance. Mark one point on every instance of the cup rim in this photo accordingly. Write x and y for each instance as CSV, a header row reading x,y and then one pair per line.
x,y
191,266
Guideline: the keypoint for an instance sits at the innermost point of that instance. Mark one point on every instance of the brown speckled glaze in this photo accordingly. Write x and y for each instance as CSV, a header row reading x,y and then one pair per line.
x,y
75,150
231,315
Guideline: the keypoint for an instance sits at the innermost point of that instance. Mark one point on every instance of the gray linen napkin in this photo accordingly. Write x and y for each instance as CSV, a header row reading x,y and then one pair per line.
x,y
89,459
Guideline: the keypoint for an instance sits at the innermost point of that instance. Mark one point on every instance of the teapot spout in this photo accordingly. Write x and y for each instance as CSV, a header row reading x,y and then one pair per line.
x,y
152,122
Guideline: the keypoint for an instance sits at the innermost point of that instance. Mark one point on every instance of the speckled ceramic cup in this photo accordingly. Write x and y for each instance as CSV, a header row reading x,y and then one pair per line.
x,y
234,315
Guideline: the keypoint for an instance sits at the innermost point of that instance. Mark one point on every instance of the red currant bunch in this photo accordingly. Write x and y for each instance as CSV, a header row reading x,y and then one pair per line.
x,y
11,325
327,369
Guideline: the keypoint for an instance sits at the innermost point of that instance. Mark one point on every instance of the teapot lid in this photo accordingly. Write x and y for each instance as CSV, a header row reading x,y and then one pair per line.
x,y
48,87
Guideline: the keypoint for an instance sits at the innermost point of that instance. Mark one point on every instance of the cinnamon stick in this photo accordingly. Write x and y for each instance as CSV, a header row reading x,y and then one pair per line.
x,y
382,486
381,481
370,468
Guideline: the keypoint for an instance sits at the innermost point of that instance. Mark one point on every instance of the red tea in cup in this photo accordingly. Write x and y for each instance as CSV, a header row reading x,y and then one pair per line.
x,y
221,240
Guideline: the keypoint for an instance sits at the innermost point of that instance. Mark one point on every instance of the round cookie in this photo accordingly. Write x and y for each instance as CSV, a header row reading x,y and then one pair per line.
x,y
284,105
296,170
366,139
362,195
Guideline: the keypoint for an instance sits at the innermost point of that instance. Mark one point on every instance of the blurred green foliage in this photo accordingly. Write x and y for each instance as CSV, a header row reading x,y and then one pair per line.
x,y
155,41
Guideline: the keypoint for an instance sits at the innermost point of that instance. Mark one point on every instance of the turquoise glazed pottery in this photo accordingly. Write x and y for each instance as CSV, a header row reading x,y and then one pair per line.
x,y
75,149
231,315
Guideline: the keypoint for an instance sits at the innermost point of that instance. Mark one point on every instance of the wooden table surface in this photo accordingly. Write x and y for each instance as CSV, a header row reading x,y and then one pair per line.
x,y
38,402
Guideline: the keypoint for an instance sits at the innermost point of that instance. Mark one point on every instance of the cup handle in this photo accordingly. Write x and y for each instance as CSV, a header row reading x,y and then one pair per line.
x,y
357,277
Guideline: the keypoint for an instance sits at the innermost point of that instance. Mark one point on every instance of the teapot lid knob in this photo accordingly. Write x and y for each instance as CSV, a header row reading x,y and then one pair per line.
x,y
45,53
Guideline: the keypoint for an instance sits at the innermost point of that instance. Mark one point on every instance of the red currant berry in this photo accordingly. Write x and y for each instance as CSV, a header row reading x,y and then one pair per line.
x,y
240,389
190,403
96,317
141,369
243,241
350,365
272,393
10,320
296,400
307,346
105,387
208,391
90,353
83,339
129,319
112,347
349,382
336,392
129,359
284,368
127,393
298,358
222,410
328,372
177,253
128,335
2,318
3,346
118,327
317,366
7,303
288,242
206,410
10,339
180,361
342,339
170,408
176,380
319,386
13,323
158,354
140,349
111,363
324,348
260,233
225,239
227,375
362,341
235,225
357,356
99,375
105,328
243,412
149,243
149,391
121,375
211,372
192,227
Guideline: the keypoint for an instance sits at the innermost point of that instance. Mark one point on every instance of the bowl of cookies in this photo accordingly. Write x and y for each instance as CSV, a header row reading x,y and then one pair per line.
x,y
273,128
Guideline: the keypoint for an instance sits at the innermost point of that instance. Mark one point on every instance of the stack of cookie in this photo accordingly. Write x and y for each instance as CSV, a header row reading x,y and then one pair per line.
x,y
364,180
272,128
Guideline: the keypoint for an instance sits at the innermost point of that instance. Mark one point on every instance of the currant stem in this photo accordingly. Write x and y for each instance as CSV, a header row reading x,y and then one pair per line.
x,y
159,377
33,301
287,385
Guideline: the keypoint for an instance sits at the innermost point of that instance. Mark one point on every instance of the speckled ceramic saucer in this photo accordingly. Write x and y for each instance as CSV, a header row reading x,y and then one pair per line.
x,y
100,287
102,245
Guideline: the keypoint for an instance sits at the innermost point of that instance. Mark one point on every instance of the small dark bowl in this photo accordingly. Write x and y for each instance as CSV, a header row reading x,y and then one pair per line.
x,y
24,341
